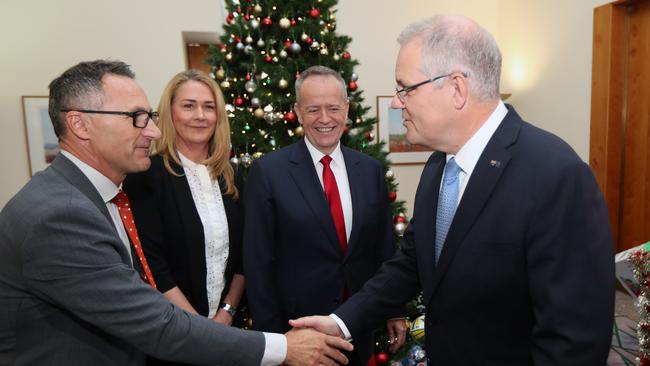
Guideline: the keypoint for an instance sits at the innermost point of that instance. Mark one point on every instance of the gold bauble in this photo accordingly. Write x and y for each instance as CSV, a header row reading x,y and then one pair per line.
x,y
299,131
225,84
259,113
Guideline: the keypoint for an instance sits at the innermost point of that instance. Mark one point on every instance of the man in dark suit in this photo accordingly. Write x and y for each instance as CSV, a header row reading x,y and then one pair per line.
x,y
71,292
510,240
317,222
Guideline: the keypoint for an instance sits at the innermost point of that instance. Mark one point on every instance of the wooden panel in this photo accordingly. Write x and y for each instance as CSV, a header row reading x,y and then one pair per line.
x,y
635,228
607,85
196,56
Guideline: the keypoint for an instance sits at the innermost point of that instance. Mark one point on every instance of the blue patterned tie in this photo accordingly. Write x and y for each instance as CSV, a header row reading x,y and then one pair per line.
x,y
447,202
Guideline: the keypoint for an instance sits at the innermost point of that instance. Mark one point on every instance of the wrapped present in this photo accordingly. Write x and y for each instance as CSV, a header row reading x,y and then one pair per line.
x,y
625,261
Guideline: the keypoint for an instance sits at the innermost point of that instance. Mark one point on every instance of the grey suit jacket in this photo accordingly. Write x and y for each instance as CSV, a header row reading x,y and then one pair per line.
x,y
68,295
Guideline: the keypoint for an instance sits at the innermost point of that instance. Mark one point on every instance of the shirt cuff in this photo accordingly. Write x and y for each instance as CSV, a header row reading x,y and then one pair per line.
x,y
344,329
275,350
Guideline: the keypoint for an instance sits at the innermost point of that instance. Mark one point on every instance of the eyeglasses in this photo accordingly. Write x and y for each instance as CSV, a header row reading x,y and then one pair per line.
x,y
140,118
402,93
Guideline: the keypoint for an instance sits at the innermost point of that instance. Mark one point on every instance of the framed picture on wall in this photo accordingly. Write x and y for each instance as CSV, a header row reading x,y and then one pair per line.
x,y
42,144
391,130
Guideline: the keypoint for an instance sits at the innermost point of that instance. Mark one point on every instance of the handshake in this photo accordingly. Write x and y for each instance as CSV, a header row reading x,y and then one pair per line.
x,y
316,340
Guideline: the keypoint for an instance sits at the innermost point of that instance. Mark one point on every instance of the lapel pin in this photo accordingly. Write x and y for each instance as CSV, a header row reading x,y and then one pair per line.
x,y
495,163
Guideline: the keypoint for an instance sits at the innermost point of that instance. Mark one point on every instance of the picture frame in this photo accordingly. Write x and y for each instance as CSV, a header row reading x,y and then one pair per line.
x,y
42,143
391,130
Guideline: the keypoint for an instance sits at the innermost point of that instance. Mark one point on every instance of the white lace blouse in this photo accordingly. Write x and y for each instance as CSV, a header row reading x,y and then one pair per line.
x,y
209,204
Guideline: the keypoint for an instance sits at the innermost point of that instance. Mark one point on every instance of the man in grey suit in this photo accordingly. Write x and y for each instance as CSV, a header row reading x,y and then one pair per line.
x,y
69,293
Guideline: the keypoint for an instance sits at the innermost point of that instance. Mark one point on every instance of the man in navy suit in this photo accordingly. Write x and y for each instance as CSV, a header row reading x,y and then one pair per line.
x,y
510,240
317,220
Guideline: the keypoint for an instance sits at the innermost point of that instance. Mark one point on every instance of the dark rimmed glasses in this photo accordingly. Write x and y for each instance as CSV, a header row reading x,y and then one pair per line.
x,y
140,118
402,93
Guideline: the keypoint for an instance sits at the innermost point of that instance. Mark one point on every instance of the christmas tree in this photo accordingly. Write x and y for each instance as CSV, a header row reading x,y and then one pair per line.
x,y
264,47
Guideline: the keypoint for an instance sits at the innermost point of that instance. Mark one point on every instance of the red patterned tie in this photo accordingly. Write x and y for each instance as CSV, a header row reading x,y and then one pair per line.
x,y
334,199
124,207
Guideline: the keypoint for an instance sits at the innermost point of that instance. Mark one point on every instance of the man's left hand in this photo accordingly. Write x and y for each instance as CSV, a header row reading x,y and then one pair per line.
x,y
396,333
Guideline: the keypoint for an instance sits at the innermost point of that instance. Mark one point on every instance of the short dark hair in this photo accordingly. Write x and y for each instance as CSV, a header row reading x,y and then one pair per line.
x,y
80,87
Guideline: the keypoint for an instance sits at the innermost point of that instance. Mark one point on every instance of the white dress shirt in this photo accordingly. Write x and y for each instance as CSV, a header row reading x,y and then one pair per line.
x,y
275,350
341,174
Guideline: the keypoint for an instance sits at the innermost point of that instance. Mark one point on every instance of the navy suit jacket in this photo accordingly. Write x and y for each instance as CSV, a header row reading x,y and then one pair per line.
x,y
526,275
293,262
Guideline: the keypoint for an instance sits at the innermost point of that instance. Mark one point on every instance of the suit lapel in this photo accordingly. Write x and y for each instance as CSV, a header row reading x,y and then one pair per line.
x,y
355,182
304,175
487,172
425,216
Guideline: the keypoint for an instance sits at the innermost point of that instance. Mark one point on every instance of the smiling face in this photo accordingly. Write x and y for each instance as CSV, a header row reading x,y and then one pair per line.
x,y
117,148
322,110
194,114
428,110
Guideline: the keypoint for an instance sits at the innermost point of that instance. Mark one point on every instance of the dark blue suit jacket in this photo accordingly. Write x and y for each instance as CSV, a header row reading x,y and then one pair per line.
x,y
526,276
293,263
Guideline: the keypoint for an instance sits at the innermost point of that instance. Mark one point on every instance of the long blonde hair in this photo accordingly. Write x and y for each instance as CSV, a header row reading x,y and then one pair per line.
x,y
218,160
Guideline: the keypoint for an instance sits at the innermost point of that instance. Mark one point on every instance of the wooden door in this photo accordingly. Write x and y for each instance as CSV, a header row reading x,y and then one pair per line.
x,y
620,117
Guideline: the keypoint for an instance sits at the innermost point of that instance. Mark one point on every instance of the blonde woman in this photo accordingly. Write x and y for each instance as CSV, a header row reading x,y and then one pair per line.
x,y
186,207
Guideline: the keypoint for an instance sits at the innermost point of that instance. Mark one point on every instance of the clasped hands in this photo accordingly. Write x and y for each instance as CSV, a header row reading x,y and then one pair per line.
x,y
318,340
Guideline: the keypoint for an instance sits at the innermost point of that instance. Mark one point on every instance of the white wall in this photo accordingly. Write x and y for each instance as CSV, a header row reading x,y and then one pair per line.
x,y
548,41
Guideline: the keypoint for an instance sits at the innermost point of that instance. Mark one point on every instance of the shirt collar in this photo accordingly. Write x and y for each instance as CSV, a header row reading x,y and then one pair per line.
x,y
316,155
104,186
187,162
468,155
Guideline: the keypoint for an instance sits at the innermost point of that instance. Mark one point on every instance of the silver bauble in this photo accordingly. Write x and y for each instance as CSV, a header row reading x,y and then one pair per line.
x,y
250,86
389,174
295,47
399,228
255,102
248,49
246,160
249,39
239,46
314,46
261,43
270,118
336,57
254,23
354,76
283,54
235,160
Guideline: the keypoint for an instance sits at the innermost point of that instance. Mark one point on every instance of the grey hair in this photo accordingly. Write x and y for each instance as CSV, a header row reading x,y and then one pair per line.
x,y
458,44
322,71
80,87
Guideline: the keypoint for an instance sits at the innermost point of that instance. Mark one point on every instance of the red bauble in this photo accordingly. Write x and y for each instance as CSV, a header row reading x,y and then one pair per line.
x,y
352,85
267,21
381,358
293,22
268,58
239,101
287,43
230,18
248,76
247,17
392,196
346,55
314,13
399,218
290,117
309,40
369,136
237,39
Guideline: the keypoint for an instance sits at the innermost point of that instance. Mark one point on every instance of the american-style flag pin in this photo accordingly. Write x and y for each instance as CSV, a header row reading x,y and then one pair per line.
x,y
495,163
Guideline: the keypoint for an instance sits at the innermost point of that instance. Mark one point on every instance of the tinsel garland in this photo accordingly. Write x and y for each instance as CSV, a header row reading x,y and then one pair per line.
x,y
640,260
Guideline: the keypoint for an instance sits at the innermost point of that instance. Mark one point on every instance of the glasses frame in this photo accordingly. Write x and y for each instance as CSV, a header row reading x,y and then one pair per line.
x,y
402,93
151,116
